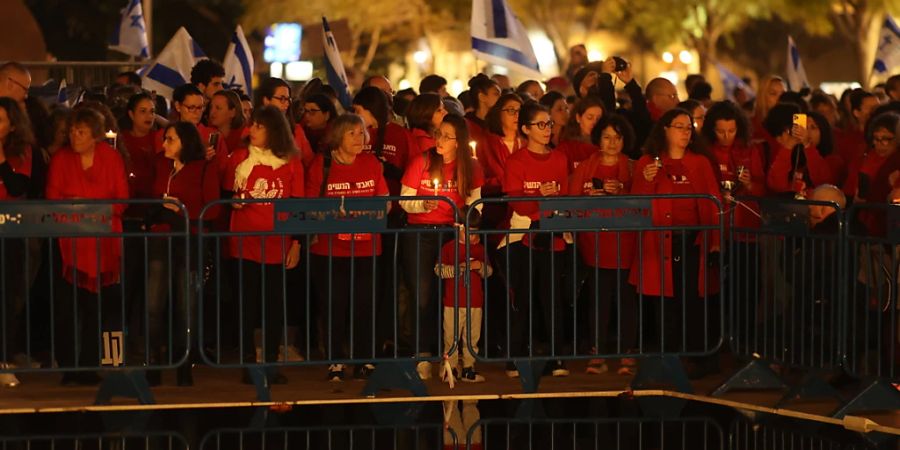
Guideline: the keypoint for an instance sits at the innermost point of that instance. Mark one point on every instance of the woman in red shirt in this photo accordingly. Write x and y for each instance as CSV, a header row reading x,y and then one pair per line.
x,y
276,92
458,178
559,113
425,114
389,142
16,139
797,168
184,175
670,267
535,171
318,114
484,92
269,169
87,169
608,255
867,176
575,139
343,263
138,138
226,116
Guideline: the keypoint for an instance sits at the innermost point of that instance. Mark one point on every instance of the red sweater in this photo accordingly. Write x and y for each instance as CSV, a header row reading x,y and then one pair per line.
x,y
362,178
195,185
493,162
816,172
263,182
105,179
616,249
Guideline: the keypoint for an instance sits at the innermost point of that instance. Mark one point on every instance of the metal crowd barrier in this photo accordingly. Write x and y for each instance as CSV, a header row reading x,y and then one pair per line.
x,y
770,435
104,441
338,437
545,306
787,285
598,433
333,308
59,315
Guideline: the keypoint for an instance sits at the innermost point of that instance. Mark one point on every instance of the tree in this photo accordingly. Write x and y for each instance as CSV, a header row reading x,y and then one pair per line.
x,y
699,24
371,22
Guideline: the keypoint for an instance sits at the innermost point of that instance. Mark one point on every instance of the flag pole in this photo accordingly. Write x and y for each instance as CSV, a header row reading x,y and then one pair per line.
x,y
148,24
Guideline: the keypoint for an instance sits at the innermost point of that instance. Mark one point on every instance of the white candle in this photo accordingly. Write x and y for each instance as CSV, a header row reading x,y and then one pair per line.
x,y
111,137
473,144
436,185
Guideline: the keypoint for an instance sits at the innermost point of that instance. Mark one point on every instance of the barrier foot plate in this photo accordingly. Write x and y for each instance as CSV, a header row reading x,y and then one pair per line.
x,y
755,375
125,383
813,386
395,375
878,396
656,371
260,382
530,374
396,414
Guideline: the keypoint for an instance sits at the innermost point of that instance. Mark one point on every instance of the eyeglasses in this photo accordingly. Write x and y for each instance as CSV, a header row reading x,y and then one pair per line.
x,y
882,139
17,83
681,128
281,98
311,111
511,111
543,125
438,136
191,108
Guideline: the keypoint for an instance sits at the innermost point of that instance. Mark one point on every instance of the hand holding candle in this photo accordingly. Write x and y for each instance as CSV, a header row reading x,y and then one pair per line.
x,y
473,145
111,138
436,184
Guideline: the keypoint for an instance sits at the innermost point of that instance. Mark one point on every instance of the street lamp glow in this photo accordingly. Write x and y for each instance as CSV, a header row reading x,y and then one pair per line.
x,y
595,55
685,57
420,57
668,57
404,84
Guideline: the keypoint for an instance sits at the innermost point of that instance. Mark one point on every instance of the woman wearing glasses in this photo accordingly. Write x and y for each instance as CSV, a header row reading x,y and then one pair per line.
x,y
485,92
503,140
318,114
445,170
536,261
670,270
575,139
276,92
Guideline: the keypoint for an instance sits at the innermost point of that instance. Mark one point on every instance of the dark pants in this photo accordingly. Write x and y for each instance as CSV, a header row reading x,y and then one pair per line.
x,y
81,317
346,299
263,306
746,317
12,292
669,332
605,288
537,278
169,296
419,254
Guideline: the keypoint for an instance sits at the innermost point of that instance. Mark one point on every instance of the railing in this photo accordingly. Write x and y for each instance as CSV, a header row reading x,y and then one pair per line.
x,y
83,73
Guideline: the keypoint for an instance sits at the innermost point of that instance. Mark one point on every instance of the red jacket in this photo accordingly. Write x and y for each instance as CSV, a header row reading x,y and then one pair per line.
x,y
646,268
816,172
730,159
195,185
493,161
616,249
105,179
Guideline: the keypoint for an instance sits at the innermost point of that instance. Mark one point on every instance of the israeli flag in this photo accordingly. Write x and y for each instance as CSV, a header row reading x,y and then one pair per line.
x,y
62,96
334,66
796,74
887,55
173,66
130,37
239,63
730,81
498,37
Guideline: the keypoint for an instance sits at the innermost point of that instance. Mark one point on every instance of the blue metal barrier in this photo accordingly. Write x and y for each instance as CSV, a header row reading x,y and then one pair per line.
x,y
772,435
787,287
871,314
338,437
550,300
77,264
345,310
128,440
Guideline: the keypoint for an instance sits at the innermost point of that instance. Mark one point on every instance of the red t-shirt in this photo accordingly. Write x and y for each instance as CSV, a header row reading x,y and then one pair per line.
x,y
526,171
20,165
423,140
449,256
306,151
362,178
417,176
262,182
576,151
143,163
398,149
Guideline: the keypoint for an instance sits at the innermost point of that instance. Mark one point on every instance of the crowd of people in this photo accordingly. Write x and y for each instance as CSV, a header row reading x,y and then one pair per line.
x,y
596,132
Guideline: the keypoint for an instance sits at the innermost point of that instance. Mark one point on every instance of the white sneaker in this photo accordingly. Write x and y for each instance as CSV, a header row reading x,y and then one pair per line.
x,y
7,379
424,369
289,353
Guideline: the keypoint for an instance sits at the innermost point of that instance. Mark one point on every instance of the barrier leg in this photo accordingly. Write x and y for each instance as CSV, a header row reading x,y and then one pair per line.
x,y
256,376
530,373
813,386
125,383
530,408
661,370
756,375
880,395
395,375
396,414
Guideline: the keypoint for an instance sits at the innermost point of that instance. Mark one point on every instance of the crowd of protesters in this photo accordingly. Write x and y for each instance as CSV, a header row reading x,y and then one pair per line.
x,y
359,296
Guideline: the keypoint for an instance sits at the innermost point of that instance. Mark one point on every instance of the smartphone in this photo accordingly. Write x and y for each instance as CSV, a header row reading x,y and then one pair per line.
x,y
213,140
800,120
598,183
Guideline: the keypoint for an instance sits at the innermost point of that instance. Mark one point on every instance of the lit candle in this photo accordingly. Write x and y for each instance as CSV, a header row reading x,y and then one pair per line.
x,y
473,144
111,138
658,162
436,184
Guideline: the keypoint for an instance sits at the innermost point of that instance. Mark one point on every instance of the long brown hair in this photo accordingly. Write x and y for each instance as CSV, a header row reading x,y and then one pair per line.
x,y
20,135
278,131
572,129
464,163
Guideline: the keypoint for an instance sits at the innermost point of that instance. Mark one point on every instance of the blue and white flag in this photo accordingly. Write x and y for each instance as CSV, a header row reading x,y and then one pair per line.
x,y
796,74
887,55
62,95
173,66
239,63
130,37
334,66
730,82
498,37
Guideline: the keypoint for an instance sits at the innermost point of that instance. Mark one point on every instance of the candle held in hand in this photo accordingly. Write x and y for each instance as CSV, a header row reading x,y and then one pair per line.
x,y
436,184
111,137
473,144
